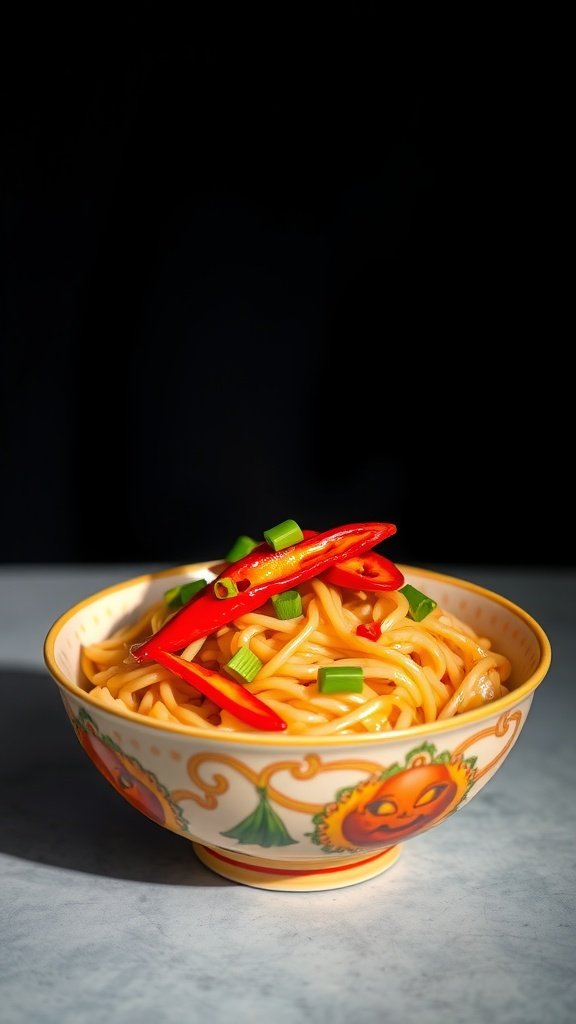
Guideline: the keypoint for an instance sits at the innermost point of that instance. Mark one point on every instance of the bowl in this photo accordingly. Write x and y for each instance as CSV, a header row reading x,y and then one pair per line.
x,y
283,812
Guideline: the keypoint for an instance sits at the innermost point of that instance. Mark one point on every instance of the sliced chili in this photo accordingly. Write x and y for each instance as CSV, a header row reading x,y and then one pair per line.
x,y
369,630
225,693
370,572
257,577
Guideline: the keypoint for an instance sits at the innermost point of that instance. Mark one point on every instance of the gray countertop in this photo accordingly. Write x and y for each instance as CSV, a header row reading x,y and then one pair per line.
x,y
104,917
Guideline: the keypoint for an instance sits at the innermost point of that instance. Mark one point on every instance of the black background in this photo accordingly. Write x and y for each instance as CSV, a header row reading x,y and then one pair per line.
x,y
249,282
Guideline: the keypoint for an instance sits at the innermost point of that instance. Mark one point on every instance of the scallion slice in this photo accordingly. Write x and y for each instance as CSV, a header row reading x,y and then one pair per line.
x,y
224,588
340,679
243,545
287,605
283,535
244,665
420,604
177,596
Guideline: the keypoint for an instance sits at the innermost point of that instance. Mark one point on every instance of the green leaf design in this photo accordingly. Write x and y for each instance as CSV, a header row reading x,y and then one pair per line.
x,y
261,828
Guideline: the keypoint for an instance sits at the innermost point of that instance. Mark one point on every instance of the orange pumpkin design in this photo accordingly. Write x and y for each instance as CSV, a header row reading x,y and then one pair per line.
x,y
405,803
139,787
122,778
386,809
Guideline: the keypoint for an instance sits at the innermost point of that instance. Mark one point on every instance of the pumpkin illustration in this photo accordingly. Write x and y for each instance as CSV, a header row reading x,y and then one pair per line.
x,y
403,804
138,786
122,778
385,809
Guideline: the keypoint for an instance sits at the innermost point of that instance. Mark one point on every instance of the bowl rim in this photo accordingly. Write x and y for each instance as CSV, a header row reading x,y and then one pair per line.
x,y
260,739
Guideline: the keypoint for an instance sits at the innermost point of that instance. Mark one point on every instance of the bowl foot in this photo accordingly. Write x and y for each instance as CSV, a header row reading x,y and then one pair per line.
x,y
297,876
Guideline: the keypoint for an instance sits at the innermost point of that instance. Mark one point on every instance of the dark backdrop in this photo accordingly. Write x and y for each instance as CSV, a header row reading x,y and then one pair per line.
x,y
245,284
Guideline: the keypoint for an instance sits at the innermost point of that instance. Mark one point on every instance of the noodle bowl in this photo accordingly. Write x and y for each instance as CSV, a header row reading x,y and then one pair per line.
x,y
330,800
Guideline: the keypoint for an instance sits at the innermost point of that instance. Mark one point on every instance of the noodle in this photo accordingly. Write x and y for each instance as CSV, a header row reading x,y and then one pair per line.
x,y
417,672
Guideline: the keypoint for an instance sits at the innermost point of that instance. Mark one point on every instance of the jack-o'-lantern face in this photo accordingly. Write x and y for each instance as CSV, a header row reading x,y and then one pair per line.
x,y
132,789
405,803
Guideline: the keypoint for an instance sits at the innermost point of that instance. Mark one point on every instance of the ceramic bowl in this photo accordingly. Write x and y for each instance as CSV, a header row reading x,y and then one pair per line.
x,y
270,810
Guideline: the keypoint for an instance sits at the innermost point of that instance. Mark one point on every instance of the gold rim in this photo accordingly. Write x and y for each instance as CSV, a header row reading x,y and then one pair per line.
x,y
273,739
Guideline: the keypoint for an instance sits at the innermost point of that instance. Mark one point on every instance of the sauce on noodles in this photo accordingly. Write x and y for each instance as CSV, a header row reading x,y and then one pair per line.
x,y
415,673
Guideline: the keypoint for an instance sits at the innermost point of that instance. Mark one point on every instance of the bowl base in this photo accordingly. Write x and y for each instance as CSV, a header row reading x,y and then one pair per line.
x,y
297,876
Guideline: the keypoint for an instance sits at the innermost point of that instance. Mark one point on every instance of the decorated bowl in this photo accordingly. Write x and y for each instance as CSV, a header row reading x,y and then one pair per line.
x,y
289,812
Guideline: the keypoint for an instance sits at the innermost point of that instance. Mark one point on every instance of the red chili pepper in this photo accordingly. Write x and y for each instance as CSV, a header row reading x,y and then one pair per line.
x,y
369,630
226,693
371,572
257,577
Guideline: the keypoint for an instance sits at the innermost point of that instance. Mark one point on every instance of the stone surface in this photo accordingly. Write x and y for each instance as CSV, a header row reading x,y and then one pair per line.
x,y
104,917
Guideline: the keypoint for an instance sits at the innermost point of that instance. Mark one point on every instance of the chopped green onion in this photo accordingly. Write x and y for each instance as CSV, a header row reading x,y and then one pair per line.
x,y
224,588
243,545
287,605
340,679
283,535
189,589
244,665
172,597
420,604
177,596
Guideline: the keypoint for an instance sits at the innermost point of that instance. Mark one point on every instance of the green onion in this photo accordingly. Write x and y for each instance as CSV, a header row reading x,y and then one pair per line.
x,y
244,665
283,535
189,589
172,597
287,605
224,588
177,596
340,679
420,604
243,545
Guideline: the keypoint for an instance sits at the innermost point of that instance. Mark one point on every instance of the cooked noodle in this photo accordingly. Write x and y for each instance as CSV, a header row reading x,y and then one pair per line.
x,y
417,672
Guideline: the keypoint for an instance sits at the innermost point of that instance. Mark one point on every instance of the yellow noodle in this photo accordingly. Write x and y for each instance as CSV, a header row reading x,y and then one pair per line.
x,y
287,686
146,702
469,687
160,711
282,656
185,714
391,617
101,678
342,724
415,672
